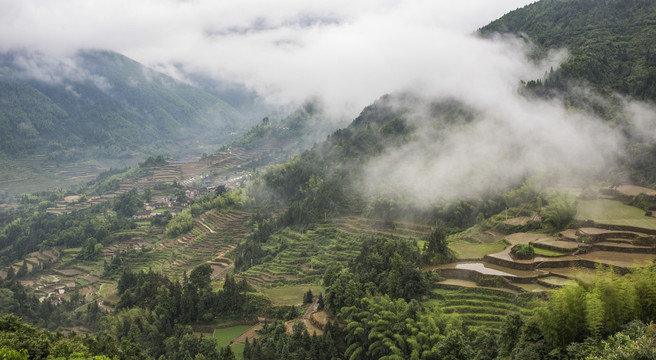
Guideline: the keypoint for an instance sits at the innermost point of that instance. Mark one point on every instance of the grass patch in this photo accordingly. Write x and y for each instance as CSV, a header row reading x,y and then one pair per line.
x,y
238,349
90,267
226,335
613,212
291,295
546,252
466,250
105,289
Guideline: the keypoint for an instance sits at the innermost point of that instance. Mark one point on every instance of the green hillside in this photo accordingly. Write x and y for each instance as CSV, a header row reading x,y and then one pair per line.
x,y
103,102
611,42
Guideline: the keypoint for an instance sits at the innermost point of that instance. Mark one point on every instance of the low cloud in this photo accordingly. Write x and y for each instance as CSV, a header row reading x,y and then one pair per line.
x,y
62,70
497,149
347,54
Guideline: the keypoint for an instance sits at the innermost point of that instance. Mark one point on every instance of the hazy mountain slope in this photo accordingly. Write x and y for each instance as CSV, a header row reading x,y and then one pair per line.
x,y
611,42
103,101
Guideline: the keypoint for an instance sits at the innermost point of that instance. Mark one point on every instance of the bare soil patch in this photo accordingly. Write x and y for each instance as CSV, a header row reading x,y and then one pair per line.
x,y
250,334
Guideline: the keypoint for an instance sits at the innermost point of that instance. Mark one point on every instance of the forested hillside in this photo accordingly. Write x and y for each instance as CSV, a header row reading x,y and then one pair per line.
x,y
610,41
102,102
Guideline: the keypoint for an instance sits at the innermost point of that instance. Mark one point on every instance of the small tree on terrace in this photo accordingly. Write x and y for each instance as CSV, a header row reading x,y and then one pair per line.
x,y
436,249
308,297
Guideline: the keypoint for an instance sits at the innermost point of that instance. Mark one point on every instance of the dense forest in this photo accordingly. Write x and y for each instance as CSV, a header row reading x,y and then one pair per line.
x,y
610,41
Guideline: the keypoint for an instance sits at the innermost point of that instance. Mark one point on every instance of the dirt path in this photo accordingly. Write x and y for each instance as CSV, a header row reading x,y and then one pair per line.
x,y
311,309
306,319
250,334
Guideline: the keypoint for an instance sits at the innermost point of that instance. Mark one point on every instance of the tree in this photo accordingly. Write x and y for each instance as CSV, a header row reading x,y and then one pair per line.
x,y
10,273
200,276
128,204
559,211
308,297
8,354
22,271
511,331
226,353
147,195
436,249
90,250
320,302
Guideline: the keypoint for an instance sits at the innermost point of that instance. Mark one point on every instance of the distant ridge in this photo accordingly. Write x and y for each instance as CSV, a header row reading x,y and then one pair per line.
x,y
104,104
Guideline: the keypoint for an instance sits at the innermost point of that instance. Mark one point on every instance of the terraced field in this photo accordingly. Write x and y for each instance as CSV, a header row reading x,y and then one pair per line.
x,y
356,225
291,295
606,211
480,307
35,173
212,236
304,256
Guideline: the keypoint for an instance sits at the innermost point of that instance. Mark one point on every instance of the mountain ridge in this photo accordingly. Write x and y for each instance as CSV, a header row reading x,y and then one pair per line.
x,y
610,41
102,100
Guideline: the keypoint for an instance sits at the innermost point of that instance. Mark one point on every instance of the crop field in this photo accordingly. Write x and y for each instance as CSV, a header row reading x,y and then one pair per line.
x,y
35,173
304,256
481,307
613,212
467,250
226,335
546,252
356,225
291,295
213,235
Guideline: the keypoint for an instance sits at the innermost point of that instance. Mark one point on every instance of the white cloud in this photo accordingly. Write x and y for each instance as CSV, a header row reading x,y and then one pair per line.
x,y
347,53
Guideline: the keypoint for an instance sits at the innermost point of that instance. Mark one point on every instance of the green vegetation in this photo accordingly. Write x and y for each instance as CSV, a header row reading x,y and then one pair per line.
x,y
466,250
613,212
479,307
559,212
20,341
291,295
305,223
141,109
224,336
290,256
600,308
546,252
522,251
180,224
610,41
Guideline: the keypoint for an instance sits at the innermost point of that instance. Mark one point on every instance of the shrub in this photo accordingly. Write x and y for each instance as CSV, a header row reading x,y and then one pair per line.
x,y
522,251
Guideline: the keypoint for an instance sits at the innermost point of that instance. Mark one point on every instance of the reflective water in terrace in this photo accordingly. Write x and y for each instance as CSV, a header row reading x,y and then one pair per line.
x,y
483,269
492,269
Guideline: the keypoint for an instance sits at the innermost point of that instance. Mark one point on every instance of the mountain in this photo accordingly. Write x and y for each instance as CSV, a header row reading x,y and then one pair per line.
x,y
611,42
103,103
